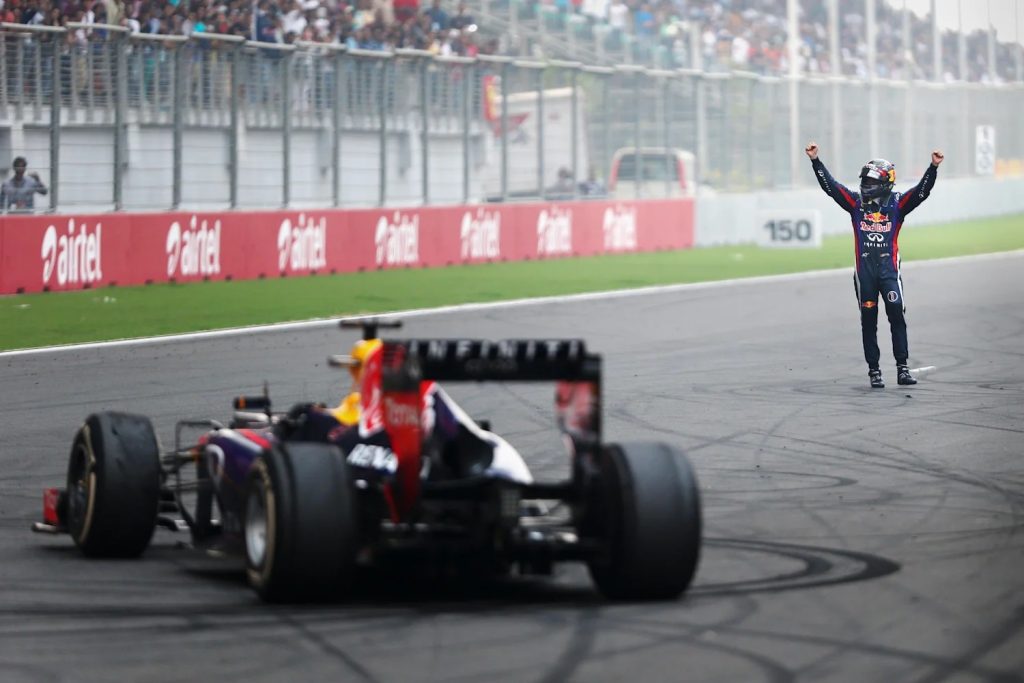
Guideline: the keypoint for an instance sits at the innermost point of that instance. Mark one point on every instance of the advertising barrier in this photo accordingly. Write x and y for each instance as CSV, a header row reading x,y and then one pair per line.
x,y
65,252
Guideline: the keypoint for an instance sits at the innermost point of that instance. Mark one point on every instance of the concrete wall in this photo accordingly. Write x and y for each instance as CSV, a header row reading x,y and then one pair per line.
x,y
87,176
731,218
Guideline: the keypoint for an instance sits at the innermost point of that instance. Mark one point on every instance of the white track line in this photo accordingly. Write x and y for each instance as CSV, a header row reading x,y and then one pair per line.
x,y
512,303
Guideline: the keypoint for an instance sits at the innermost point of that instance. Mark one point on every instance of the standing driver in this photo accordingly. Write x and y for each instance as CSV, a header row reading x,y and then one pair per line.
x,y
18,193
877,214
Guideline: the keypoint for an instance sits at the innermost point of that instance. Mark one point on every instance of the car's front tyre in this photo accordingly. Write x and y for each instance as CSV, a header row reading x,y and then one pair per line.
x,y
113,485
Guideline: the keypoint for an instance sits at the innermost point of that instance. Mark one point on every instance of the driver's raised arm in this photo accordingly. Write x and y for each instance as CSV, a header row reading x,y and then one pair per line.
x,y
914,197
832,187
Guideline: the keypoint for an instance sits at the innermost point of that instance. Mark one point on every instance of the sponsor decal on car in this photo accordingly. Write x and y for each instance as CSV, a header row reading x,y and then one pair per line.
x,y
373,457
302,246
398,240
398,414
481,234
73,256
620,228
554,232
194,250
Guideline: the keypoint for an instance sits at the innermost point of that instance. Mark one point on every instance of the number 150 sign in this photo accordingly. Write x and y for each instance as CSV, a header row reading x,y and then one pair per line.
x,y
787,228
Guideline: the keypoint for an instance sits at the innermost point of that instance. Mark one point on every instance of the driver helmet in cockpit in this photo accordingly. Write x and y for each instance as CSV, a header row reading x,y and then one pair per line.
x,y
349,410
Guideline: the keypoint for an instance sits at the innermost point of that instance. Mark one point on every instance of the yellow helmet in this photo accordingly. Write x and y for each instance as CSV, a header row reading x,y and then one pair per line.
x,y
361,350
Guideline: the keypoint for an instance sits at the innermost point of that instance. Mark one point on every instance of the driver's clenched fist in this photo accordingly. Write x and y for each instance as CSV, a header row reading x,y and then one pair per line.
x,y
812,150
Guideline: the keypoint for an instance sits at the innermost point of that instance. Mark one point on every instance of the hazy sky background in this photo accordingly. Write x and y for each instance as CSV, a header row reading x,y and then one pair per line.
x,y
1007,15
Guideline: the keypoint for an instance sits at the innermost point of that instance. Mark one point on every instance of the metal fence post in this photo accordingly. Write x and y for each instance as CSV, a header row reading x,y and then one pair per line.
x,y
286,127
233,132
701,125
425,128
574,127
606,133
540,132
339,63
120,122
468,78
55,123
504,130
177,123
382,106
666,141
637,156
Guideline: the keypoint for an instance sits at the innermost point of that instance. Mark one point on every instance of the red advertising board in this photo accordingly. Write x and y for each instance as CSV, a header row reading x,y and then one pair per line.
x,y
63,252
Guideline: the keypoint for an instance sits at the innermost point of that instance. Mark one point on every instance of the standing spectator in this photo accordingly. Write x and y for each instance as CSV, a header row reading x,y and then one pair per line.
x,y
438,17
18,193
266,23
405,9
618,13
595,10
643,22
462,18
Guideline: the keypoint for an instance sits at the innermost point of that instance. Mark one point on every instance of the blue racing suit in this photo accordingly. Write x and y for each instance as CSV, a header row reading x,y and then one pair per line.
x,y
876,230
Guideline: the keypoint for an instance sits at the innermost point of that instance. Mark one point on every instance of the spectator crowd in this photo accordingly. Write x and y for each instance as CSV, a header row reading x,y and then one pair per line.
x,y
357,24
751,35
745,35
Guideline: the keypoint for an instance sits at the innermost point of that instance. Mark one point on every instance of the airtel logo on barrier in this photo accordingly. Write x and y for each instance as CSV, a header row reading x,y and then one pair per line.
x,y
398,240
620,228
194,250
481,235
73,257
302,246
554,232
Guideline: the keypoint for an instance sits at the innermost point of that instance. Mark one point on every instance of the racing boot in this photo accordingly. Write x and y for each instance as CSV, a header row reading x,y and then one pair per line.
x,y
875,375
903,375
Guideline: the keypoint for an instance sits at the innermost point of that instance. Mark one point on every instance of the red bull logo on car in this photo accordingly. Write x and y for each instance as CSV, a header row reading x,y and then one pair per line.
x,y
876,222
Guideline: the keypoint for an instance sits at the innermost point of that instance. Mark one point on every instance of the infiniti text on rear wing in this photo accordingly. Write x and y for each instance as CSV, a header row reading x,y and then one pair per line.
x,y
507,360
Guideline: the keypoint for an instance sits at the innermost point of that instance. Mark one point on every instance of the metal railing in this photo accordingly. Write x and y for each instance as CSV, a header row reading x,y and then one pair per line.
x,y
116,120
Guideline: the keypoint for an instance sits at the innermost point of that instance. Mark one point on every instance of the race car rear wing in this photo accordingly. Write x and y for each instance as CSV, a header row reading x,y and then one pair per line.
x,y
508,360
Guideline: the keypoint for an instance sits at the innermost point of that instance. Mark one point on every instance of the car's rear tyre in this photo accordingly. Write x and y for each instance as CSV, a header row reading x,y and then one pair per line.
x,y
648,514
299,523
113,485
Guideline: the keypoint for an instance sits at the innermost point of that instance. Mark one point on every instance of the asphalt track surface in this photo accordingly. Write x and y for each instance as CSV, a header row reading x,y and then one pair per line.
x,y
850,534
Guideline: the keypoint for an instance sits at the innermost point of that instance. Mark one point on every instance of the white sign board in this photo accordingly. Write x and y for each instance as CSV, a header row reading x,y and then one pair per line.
x,y
789,228
985,150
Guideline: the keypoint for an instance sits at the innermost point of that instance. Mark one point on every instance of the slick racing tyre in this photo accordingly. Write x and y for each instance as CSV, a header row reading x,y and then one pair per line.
x,y
299,523
113,485
649,517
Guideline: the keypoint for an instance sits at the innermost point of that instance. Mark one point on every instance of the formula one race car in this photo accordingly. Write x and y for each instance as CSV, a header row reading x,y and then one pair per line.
x,y
397,471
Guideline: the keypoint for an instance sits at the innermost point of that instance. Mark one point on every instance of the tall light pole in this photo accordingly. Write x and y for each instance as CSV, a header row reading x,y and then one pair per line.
x,y
872,78
794,95
991,44
961,42
837,115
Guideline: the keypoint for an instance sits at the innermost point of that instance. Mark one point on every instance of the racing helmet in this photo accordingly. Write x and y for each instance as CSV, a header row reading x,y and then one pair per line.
x,y
877,178
361,351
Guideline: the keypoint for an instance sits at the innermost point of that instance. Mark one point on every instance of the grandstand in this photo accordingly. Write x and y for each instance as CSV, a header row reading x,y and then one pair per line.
x,y
297,103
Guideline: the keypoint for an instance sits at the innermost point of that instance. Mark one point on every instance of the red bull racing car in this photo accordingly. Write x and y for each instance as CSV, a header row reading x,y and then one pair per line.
x,y
398,470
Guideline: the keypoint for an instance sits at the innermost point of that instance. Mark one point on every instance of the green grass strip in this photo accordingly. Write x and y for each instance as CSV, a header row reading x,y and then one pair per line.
x,y
31,320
